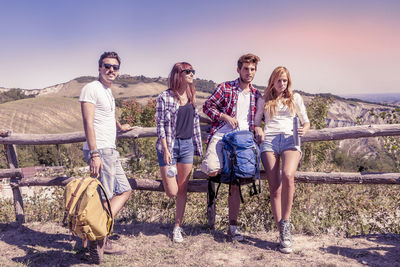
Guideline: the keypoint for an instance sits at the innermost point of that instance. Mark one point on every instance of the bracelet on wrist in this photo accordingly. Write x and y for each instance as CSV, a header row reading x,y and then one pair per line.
x,y
95,151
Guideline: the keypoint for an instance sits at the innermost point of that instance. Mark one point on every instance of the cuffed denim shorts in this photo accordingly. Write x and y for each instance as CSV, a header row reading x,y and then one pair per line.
x,y
183,152
112,177
278,143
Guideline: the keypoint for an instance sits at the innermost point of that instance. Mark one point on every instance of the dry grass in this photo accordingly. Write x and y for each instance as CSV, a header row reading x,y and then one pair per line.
x,y
58,112
149,244
41,115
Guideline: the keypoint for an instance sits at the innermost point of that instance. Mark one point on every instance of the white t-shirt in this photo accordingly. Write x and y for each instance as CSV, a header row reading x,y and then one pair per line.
x,y
242,111
282,122
104,114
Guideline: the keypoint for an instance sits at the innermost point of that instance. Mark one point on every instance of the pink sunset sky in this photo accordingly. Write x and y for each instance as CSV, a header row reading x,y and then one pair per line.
x,y
342,47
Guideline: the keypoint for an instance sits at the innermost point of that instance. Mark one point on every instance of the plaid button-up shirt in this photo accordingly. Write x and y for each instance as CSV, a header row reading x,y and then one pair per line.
x,y
223,101
166,115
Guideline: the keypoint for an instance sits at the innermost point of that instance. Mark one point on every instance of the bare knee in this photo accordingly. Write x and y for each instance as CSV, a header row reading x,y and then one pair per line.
x,y
127,193
275,190
275,193
213,174
182,193
123,195
171,193
288,178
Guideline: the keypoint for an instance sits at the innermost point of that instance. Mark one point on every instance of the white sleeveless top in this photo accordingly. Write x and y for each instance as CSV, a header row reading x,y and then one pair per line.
x,y
282,122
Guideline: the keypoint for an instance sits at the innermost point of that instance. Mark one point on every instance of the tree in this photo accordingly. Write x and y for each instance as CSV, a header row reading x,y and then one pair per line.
x,y
142,149
317,153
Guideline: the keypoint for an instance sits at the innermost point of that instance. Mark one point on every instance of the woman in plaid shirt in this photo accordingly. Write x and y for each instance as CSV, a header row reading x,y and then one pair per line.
x,y
179,137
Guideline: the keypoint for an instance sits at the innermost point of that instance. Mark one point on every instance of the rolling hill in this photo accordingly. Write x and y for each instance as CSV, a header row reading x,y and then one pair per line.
x,y
26,115
41,115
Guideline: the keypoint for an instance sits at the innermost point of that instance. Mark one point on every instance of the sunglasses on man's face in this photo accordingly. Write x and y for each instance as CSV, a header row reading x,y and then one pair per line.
x,y
188,71
109,66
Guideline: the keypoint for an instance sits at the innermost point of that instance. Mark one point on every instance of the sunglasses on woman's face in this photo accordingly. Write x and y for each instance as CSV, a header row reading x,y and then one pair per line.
x,y
188,71
109,66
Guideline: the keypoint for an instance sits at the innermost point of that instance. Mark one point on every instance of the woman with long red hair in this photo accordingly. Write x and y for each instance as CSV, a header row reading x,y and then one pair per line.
x,y
280,106
179,137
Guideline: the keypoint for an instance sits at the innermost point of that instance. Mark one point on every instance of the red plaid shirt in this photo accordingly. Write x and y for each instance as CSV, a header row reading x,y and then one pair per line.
x,y
223,101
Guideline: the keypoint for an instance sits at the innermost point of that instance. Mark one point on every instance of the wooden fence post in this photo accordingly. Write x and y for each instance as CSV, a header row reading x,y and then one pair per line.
x,y
12,159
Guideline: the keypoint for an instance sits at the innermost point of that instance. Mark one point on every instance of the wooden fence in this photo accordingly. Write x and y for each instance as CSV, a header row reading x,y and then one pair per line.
x,y
31,176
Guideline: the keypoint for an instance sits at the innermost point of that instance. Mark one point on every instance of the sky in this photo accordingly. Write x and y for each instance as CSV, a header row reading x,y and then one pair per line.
x,y
339,47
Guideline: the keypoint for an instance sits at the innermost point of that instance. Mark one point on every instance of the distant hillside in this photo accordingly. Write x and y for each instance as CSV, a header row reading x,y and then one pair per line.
x,y
7,95
392,98
343,112
125,86
41,115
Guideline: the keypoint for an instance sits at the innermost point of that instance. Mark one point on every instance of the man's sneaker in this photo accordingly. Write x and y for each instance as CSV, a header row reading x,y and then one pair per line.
x,y
96,250
113,248
234,233
177,234
285,239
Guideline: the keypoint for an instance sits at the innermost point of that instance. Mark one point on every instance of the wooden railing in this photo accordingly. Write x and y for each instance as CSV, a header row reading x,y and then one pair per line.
x,y
31,176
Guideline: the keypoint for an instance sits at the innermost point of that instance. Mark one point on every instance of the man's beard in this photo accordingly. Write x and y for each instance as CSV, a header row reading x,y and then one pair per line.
x,y
243,81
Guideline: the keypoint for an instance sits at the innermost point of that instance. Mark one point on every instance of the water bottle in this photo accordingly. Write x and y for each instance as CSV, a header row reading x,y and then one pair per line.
x,y
171,171
296,136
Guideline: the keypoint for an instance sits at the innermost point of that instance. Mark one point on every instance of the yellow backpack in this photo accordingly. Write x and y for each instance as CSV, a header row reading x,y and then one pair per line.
x,y
85,214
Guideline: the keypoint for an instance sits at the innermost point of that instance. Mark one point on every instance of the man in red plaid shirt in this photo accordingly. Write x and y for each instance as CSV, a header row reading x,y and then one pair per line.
x,y
231,107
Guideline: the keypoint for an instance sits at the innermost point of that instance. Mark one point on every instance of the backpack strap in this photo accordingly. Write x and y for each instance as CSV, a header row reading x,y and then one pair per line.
x,y
240,193
258,166
211,194
108,205
64,221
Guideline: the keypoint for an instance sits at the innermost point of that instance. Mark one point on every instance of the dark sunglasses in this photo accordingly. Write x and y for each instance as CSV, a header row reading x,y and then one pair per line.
x,y
188,71
108,66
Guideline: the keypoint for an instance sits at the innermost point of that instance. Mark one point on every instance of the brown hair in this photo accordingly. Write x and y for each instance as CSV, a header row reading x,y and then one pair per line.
x,y
175,81
248,58
271,97
109,55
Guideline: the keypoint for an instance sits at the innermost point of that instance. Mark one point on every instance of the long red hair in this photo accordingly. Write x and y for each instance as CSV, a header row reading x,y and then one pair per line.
x,y
175,80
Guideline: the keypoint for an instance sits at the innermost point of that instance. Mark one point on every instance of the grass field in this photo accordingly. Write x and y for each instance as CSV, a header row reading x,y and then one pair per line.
x,y
41,115
59,112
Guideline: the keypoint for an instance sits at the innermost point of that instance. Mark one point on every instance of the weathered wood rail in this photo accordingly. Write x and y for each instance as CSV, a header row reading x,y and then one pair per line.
x,y
30,176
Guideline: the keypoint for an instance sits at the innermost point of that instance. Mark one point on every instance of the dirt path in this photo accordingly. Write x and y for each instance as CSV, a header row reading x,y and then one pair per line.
x,y
48,244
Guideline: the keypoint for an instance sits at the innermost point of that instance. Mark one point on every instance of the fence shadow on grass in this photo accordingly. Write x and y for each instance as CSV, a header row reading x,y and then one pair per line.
x,y
42,249
384,252
152,229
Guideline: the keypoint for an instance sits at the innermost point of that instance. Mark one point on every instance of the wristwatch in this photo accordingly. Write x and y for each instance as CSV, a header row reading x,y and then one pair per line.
x,y
91,152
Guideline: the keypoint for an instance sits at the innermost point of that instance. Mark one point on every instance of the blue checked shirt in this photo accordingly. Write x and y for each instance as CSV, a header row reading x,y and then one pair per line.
x,y
166,115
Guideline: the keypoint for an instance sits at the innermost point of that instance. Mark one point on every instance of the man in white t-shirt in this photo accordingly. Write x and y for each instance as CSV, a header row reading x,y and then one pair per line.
x,y
100,124
231,107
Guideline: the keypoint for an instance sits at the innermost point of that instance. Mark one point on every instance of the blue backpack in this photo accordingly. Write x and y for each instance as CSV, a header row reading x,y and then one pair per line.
x,y
241,161
241,156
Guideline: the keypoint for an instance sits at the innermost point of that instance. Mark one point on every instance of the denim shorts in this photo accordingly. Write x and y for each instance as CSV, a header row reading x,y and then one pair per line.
x,y
278,143
183,152
112,177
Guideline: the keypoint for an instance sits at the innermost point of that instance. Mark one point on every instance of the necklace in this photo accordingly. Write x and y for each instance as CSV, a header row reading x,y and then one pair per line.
x,y
110,98
182,97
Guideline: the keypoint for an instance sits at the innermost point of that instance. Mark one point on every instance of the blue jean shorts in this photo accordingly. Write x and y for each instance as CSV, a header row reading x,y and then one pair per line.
x,y
278,143
183,152
112,177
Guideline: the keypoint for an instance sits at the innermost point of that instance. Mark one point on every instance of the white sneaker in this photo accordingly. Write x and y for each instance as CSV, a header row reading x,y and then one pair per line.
x,y
285,238
177,234
234,233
